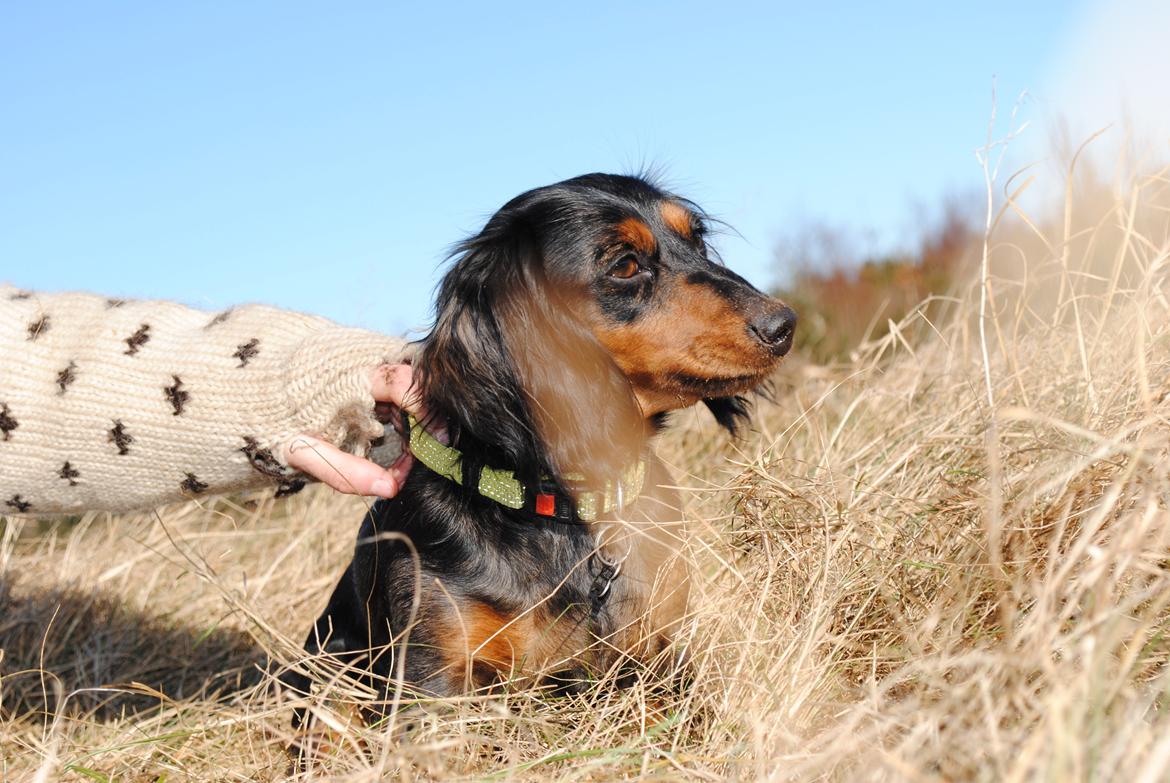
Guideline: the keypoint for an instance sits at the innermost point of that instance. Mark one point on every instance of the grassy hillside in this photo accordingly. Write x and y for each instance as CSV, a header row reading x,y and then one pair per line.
x,y
921,565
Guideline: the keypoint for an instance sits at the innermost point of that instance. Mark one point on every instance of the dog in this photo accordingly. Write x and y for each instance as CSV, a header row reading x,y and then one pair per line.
x,y
540,542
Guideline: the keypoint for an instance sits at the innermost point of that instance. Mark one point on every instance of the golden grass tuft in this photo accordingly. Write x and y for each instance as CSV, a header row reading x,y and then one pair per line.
x,y
895,578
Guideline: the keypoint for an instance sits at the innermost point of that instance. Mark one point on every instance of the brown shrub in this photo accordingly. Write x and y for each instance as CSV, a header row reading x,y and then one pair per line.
x,y
844,298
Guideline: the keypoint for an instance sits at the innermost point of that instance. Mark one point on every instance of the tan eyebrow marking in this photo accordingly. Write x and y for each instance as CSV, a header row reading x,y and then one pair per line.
x,y
678,218
637,234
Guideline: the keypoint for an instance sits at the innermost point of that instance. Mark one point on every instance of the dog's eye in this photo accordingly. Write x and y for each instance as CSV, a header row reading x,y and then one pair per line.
x,y
625,268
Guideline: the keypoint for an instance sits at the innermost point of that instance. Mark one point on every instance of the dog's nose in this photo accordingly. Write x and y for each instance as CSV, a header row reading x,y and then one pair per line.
x,y
775,329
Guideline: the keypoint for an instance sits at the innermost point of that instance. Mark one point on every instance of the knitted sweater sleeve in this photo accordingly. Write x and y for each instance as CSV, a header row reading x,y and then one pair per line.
x,y
119,405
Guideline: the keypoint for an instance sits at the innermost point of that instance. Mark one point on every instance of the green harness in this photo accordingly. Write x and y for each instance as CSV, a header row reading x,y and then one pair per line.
x,y
503,487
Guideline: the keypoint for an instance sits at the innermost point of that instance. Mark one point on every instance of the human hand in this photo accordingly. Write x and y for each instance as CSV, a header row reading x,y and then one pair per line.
x,y
349,473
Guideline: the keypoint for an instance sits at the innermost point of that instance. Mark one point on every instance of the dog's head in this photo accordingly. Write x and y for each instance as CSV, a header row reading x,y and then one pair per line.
x,y
583,312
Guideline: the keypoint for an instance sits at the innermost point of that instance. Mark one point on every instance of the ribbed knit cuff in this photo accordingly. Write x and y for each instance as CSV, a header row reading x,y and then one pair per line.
x,y
327,386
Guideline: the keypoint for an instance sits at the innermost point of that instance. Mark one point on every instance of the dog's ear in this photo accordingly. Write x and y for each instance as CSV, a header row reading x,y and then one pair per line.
x,y
466,374
732,413
519,378
582,405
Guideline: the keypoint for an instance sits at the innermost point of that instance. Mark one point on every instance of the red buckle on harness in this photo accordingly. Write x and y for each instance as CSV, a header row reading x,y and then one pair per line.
x,y
546,505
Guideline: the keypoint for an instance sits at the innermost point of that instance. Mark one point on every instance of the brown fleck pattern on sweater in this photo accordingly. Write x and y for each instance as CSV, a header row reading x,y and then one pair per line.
x,y
66,377
263,460
120,438
38,327
69,473
176,395
247,351
226,314
19,504
137,340
193,485
140,376
7,423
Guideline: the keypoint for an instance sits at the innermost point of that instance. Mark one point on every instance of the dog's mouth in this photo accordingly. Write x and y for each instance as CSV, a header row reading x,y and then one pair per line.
x,y
715,386
682,388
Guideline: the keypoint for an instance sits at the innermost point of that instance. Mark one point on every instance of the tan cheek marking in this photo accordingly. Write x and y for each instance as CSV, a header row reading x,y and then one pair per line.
x,y
677,218
695,332
637,234
696,317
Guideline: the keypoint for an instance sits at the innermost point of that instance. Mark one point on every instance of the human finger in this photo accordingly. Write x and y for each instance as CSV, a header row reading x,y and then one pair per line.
x,y
344,472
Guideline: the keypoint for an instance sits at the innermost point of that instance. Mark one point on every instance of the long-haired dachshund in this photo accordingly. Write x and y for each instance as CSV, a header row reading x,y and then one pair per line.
x,y
543,542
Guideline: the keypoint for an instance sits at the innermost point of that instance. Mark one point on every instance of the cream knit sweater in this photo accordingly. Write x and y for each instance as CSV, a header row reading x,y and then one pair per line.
x,y
118,405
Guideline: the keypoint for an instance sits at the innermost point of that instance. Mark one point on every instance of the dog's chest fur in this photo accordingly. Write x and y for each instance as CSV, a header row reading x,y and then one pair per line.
x,y
501,595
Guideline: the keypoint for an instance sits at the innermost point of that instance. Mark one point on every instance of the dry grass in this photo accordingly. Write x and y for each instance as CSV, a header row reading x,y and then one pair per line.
x,y
895,580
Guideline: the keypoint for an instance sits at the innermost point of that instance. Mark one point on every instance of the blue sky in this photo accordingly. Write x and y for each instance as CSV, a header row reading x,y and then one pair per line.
x,y
324,156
